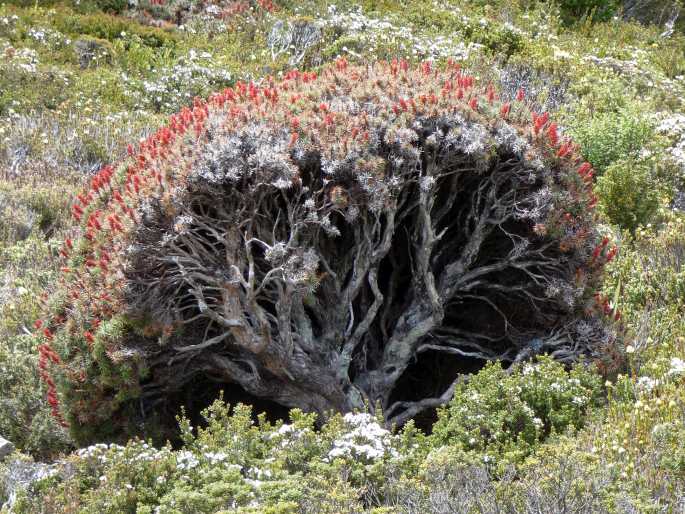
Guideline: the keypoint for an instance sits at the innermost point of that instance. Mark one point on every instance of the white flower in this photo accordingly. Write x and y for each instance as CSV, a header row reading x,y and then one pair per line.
x,y
677,366
366,439
186,460
646,383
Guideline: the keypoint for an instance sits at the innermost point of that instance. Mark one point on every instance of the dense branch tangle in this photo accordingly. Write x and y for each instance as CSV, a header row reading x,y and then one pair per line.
x,y
310,240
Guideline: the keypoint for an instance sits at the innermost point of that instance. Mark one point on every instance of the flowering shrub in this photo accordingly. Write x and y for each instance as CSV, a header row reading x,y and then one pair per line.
x,y
505,414
158,220
350,464
235,464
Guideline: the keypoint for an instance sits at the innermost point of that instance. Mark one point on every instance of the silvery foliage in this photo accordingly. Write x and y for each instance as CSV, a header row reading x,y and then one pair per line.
x,y
230,156
546,91
466,137
539,205
508,138
300,269
563,291
293,37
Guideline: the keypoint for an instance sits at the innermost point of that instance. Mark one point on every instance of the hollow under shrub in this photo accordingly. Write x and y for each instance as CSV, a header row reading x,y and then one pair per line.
x,y
362,236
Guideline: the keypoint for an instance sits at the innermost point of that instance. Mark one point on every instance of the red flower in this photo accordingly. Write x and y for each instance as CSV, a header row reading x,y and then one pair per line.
x,y
490,94
552,134
584,169
504,110
539,121
564,150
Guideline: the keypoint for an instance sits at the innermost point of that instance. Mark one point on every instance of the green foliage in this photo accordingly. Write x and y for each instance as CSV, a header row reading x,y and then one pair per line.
x,y
112,6
611,136
109,27
24,417
21,87
629,195
596,10
505,414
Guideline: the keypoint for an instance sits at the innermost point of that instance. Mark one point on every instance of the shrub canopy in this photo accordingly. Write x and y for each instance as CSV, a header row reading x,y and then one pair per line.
x,y
362,235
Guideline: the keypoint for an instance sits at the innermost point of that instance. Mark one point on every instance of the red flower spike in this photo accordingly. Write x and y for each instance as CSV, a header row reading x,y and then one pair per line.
x,y
490,94
552,134
539,121
564,150
584,169
504,110
520,95
473,103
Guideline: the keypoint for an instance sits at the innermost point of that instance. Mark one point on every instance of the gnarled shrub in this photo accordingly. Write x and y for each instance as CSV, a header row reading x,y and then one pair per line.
x,y
362,236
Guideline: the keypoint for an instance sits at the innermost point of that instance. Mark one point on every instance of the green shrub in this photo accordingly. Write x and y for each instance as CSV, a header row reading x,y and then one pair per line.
x,y
629,196
611,136
25,419
236,464
505,414
595,10
105,26
112,6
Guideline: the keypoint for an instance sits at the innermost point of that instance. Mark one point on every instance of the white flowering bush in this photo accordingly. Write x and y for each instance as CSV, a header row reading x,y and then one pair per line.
x,y
233,463
175,86
504,414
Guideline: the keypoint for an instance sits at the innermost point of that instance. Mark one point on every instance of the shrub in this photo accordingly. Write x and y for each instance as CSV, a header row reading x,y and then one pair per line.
x,y
611,136
505,414
112,6
321,213
25,418
109,27
596,10
236,464
628,194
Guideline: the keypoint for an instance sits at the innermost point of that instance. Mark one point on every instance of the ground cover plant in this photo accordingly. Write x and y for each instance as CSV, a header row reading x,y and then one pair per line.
x,y
80,81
